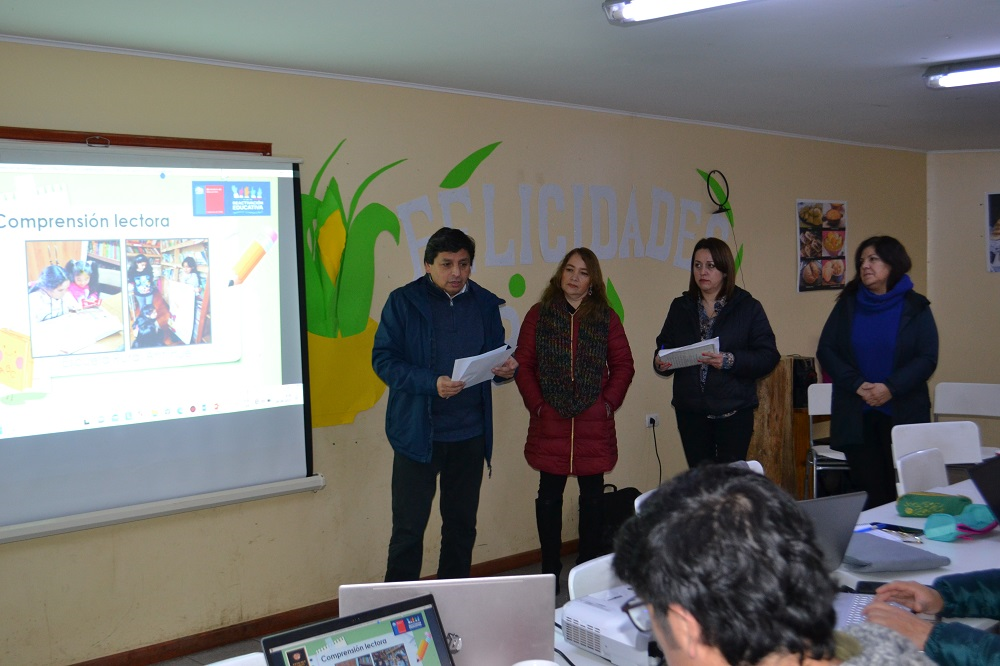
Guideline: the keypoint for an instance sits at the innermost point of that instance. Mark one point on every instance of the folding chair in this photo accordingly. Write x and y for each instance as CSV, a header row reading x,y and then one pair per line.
x,y
820,456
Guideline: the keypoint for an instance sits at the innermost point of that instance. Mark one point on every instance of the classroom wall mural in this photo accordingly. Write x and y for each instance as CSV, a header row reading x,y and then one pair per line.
x,y
340,256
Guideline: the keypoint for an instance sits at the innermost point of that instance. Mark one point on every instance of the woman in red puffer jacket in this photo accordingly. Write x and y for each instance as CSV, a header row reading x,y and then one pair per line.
x,y
575,368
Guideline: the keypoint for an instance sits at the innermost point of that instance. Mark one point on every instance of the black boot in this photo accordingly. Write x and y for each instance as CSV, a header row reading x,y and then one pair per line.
x,y
548,517
591,528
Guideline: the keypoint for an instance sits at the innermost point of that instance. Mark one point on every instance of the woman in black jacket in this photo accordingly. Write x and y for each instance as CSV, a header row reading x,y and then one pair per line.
x,y
880,346
714,399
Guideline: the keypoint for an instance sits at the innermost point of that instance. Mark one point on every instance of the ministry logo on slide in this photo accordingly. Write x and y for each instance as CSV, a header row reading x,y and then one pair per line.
x,y
231,198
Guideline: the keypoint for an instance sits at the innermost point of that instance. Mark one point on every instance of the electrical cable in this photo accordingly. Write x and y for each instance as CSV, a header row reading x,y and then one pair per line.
x,y
659,464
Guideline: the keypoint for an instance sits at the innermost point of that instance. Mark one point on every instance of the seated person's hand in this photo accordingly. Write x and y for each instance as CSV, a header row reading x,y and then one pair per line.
x,y
918,598
901,621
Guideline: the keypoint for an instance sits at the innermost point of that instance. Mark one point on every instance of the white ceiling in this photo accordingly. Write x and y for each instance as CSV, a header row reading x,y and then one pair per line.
x,y
845,70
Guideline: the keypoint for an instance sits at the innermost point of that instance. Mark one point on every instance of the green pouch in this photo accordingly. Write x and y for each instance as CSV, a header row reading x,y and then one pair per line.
x,y
921,505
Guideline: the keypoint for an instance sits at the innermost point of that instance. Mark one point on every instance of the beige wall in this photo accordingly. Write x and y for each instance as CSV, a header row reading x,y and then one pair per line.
x,y
964,296
102,591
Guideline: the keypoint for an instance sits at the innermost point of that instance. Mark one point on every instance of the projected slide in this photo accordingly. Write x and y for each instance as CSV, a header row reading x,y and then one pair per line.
x,y
136,294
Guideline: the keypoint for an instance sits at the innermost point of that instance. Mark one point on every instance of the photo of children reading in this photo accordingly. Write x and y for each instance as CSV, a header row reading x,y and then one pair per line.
x,y
189,272
168,292
67,312
140,280
80,273
47,295
146,330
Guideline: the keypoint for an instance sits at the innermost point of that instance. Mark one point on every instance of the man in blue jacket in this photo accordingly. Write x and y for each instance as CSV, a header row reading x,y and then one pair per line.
x,y
434,426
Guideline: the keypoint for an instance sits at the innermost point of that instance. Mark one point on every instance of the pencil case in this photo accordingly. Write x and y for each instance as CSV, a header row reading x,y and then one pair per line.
x,y
923,504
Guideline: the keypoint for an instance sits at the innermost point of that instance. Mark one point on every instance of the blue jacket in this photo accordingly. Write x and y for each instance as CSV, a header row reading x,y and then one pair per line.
x,y
402,357
914,363
975,594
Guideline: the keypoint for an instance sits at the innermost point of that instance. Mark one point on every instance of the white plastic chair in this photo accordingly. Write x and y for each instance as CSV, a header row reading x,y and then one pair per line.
x,y
921,470
592,576
957,440
965,399
752,465
820,456
642,498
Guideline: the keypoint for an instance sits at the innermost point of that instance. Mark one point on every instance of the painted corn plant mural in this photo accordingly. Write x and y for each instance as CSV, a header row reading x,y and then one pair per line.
x,y
340,281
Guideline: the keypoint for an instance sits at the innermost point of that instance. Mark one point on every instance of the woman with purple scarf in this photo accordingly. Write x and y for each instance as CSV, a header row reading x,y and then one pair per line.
x,y
880,347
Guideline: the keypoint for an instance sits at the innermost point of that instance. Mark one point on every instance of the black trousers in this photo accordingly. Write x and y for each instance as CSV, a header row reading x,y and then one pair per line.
x,y
550,494
715,440
460,467
551,486
871,464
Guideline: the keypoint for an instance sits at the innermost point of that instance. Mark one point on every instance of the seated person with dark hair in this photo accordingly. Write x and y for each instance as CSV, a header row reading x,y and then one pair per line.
x,y
973,594
726,570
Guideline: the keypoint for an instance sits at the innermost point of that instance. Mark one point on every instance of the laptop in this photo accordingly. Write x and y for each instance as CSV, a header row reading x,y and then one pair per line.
x,y
400,634
986,476
834,518
500,620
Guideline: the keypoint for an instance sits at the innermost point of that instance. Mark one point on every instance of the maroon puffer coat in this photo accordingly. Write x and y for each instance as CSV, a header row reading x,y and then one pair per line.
x,y
585,444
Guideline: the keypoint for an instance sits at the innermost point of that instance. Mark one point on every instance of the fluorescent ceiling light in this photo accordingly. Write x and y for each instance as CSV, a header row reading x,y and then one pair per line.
x,y
627,12
967,73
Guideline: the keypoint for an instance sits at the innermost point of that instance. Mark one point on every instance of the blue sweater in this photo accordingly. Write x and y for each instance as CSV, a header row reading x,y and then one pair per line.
x,y
873,332
913,362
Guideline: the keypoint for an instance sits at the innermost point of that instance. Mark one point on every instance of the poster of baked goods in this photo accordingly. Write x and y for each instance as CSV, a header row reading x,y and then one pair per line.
x,y
993,233
822,230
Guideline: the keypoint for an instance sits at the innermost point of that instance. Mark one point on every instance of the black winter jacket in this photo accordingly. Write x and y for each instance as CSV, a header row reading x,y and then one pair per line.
x,y
915,360
743,330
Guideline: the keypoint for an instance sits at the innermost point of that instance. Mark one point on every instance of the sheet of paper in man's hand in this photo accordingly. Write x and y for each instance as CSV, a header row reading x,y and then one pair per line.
x,y
475,369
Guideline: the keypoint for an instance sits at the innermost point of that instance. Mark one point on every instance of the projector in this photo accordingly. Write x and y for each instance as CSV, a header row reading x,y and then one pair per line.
x,y
596,623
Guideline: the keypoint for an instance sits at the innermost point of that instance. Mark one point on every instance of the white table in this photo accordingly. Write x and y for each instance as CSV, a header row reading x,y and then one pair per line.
x,y
980,552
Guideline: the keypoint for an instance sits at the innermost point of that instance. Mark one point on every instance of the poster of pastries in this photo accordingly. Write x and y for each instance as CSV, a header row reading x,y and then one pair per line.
x,y
822,244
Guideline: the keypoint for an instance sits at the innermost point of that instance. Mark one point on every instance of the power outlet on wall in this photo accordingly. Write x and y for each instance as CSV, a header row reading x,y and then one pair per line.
x,y
652,420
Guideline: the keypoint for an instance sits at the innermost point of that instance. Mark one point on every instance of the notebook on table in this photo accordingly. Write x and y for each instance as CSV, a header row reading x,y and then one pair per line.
x,y
405,633
472,610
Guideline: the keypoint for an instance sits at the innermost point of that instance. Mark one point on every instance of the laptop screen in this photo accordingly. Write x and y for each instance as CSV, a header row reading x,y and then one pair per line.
x,y
833,518
400,634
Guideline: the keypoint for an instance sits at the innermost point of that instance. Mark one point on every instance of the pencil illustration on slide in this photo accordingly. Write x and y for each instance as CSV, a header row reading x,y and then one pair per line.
x,y
340,281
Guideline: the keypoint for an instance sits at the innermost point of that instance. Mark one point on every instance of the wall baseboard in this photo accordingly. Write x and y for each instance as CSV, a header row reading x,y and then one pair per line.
x,y
253,629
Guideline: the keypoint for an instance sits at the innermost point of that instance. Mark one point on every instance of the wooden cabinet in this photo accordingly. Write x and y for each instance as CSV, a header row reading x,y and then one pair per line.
x,y
773,442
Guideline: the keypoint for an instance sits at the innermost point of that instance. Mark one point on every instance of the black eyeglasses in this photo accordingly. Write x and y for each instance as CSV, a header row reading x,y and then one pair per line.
x,y
638,612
